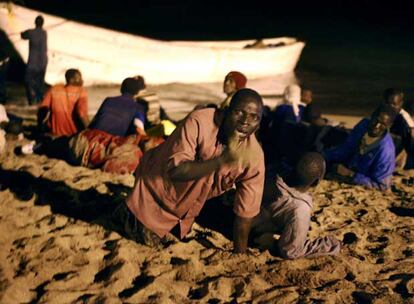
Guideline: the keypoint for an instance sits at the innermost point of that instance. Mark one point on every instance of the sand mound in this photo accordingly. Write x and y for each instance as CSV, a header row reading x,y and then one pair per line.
x,y
59,245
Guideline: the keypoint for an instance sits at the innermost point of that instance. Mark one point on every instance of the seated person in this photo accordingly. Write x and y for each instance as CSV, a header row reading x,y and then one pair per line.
x,y
283,123
292,107
287,209
210,152
312,113
409,109
64,109
157,121
403,122
232,82
402,128
111,141
121,115
150,103
367,157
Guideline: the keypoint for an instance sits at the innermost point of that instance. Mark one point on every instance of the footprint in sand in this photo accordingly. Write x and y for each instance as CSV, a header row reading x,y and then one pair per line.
x,y
405,285
105,274
402,211
138,283
361,297
40,291
349,238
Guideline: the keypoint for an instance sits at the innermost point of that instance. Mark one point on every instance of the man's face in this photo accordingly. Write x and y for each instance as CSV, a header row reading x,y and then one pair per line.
x,y
306,96
396,102
379,124
77,80
243,119
229,86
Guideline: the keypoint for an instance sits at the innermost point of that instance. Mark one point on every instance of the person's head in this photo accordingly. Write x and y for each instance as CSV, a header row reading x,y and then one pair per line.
x,y
381,120
132,85
395,98
141,82
306,96
74,77
242,117
310,169
39,21
234,81
292,94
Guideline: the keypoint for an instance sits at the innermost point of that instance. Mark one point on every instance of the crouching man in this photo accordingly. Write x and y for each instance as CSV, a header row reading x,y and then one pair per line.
x,y
287,208
211,151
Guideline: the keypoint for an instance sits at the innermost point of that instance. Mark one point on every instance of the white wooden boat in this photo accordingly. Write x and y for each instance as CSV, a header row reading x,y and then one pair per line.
x,y
106,56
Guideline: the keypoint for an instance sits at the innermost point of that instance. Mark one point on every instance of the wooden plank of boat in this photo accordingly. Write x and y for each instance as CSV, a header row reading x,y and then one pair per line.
x,y
106,57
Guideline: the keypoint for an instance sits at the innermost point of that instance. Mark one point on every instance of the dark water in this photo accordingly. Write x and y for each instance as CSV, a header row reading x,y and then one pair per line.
x,y
348,61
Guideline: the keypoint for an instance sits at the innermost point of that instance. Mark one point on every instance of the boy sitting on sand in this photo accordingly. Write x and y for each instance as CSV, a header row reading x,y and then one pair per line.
x,y
287,207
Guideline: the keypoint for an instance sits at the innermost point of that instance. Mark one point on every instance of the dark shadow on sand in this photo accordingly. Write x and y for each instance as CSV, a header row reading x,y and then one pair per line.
x,y
93,207
217,216
88,205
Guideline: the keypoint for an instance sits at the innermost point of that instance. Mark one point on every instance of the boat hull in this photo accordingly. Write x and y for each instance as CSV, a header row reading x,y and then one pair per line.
x,y
107,57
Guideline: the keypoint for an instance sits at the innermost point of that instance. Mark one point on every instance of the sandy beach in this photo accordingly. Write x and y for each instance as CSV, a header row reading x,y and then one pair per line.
x,y
60,245
58,238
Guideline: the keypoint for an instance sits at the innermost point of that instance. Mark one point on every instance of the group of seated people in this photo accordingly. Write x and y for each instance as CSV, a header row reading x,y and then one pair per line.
x,y
367,155
215,149
114,140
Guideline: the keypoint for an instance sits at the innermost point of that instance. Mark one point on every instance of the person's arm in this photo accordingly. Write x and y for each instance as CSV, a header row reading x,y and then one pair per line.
x,y
85,121
381,170
241,230
342,152
192,170
196,169
247,201
344,171
25,35
42,116
139,120
139,127
82,108
44,108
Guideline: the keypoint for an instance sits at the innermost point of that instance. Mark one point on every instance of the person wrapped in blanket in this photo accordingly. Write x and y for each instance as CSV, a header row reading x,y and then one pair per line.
x,y
112,141
367,157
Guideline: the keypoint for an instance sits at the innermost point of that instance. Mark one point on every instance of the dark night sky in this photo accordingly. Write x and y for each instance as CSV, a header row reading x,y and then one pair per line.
x,y
230,19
